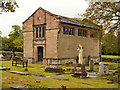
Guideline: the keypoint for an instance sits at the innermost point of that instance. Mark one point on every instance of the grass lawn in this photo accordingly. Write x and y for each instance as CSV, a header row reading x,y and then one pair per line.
x,y
110,56
27,80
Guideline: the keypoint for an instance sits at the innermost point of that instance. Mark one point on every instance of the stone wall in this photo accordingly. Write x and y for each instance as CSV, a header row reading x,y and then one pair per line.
x,y
9,53
49,42
67,60
28,38
67,44
115,60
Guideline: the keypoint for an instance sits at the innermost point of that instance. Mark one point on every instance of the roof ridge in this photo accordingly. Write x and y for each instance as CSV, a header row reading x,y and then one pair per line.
x,y
57,14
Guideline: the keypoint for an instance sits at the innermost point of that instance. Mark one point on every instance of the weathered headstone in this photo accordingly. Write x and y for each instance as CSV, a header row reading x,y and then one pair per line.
x,y
106,70
91,65
17,86
69,69
80,71
53,68
1,55
2,81
114,71
89,58
21,73
2,68
115,79
101,69
40,78
58,78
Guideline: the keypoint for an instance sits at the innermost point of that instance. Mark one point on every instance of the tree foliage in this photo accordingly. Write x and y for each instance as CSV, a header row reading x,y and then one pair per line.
x,y
5,44
8,5
106,14
110,44
15,40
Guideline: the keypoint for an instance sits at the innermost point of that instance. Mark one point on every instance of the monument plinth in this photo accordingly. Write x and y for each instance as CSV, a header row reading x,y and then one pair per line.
x,y
80,68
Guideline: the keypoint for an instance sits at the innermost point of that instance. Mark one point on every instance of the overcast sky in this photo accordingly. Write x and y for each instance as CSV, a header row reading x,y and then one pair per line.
x,y
68,8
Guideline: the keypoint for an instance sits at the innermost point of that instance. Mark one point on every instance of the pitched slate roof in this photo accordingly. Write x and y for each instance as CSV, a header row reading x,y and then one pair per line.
x,y
68,20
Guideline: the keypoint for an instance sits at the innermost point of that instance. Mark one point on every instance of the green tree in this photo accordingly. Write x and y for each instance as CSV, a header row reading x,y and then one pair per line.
x,y
8,5
109,44
15,40
106,14
18,44
5,44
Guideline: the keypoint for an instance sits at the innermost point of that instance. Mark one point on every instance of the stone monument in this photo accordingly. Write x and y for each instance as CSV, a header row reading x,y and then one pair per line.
x,y
80,68
101,69
106,70
91,65
80,49
53,68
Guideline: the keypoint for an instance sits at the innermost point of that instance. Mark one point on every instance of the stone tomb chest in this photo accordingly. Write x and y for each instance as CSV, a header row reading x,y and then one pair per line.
x,y
79,71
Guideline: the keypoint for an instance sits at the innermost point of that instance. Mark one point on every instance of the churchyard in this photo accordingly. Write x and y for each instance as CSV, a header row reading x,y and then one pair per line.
x,y
36,77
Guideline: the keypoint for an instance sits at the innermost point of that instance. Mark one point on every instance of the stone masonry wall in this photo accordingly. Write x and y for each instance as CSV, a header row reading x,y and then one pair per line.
x,y
49,42
67,44
28,38
51,36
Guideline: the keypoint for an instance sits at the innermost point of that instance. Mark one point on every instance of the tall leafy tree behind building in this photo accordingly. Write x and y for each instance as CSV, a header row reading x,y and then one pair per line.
x,y
106,14
15,40
110,44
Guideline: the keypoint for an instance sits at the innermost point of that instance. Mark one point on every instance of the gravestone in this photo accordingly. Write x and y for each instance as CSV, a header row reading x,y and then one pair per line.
x,y
80,71
106,70
91,65
40,78
70,70
21,73
114,71
80,68
18,86
117,67
2,81
1,55
2,68
101,69
53,68
89,58
115,79
58,78
110,66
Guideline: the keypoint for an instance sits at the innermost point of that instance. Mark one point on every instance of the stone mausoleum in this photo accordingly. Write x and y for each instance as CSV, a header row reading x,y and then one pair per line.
x,y
53,39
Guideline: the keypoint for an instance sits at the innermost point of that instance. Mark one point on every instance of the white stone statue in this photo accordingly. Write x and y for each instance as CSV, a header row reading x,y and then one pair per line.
x,y
80,49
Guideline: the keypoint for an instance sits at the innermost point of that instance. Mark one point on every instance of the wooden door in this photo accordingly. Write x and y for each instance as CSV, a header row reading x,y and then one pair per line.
x,y
40,54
